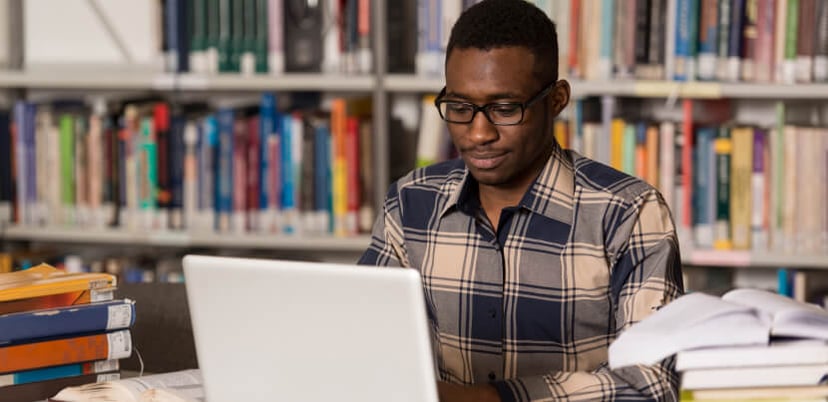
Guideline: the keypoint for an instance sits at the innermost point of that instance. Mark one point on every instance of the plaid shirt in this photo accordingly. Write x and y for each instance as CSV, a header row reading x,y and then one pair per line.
x,y
533,306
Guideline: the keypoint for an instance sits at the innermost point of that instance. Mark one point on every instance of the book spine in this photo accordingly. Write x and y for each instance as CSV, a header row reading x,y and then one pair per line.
x,y
66,321
110,346
288,176
607,32
652,146
56,372
67,167
683,57
702,224
791,38
708,40
261,36
352,179
366,175
821,43
224,169
6,175
750,37
307,177
642,38
780,30
247,41
724,149
275,38
191,175
628,149
321,171
164,165
148,174
239,173
254,168
176,165
687,165
735,48
722,62
740,187
213,28
667,163
759,235
208,174
805,41
198,37
765,61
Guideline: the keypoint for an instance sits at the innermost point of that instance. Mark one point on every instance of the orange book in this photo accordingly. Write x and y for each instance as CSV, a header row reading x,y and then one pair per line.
x,y
29,356
44,287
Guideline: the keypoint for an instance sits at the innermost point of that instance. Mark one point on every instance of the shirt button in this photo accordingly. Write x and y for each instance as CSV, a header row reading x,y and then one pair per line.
x,y
492,313
492,376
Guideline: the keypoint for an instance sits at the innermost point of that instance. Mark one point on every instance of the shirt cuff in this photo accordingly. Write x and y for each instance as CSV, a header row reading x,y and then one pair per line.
x,y
523,389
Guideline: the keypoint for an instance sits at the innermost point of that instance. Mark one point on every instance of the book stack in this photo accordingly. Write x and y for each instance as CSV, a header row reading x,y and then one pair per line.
x,y
747,345
59,329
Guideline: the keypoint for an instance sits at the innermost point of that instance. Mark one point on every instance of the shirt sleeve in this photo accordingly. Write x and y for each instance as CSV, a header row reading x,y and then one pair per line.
x,y
646,276
386,248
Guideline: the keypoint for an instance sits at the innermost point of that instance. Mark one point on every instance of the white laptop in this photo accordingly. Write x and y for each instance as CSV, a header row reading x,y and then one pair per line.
x,y
270,330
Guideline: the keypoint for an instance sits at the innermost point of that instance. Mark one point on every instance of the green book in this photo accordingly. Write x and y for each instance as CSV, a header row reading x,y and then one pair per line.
x,y
225,35
198,35
723,146
628,150
148,166
260,47
67,162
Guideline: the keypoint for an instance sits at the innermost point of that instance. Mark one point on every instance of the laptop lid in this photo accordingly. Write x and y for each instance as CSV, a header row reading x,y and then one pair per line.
x,y
268,330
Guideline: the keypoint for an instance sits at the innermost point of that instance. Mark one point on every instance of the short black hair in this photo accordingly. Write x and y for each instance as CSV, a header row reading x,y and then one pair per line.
x,y
504,23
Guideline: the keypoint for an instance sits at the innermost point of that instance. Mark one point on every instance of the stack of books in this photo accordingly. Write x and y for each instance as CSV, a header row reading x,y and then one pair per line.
x,y
748,345
790,370
59,329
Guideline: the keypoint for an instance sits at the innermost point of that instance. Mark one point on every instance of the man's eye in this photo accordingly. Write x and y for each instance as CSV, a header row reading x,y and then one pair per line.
x,y
506,110
458,108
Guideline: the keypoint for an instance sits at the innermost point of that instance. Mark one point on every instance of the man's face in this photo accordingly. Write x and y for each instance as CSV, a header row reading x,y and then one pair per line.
x,y
500,156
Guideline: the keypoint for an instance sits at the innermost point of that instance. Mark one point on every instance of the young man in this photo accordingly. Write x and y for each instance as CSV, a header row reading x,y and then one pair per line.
x,y
533,257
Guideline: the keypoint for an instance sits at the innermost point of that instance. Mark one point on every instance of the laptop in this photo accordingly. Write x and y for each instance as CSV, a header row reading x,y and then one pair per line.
x,y
271,330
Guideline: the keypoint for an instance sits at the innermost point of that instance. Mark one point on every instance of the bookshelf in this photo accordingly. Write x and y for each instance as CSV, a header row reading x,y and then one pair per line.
x,y
382,87
354,244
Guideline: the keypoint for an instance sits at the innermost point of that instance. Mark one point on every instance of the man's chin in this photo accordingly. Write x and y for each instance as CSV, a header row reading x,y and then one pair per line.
x,y
488,177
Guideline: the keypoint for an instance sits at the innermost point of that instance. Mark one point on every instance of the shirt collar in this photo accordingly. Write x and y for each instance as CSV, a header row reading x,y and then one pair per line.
x,y
550,195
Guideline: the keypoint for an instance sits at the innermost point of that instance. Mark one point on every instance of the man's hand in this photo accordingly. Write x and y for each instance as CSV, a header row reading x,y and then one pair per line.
x,y
475,393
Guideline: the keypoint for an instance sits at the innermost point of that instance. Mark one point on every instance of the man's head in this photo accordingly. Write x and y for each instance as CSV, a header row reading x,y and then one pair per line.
x,y
502,56
494,24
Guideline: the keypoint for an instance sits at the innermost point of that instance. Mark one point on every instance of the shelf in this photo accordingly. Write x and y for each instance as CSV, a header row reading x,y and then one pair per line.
x,y
85,80
356,244
287,82
643,89
749,259
112,80
413,83
183,239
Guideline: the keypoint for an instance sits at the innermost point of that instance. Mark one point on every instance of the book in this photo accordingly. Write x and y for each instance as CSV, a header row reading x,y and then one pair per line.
x,y
696,320
178,386
748,377
37,391
44,286
28,356
62,321
55,372
781,353
819,392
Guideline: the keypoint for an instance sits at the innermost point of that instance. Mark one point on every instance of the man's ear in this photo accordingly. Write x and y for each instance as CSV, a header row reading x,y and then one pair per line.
x,y
559,97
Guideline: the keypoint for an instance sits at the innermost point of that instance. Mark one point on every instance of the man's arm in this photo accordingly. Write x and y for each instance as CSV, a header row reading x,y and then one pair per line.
x,y
646,275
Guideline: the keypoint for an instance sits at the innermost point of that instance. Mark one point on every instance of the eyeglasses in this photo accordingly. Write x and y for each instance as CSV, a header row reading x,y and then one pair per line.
x,y
498,113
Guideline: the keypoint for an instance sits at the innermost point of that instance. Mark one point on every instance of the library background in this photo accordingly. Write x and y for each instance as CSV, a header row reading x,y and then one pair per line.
x,y
135,132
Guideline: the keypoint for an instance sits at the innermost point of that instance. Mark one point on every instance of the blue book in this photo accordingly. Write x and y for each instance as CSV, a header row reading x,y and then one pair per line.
x,y
66,321
687,13
288,171
208,153
6,177
224,173
176,153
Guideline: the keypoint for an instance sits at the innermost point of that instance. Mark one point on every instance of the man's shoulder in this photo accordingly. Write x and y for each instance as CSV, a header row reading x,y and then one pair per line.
x,y
435,176
596,177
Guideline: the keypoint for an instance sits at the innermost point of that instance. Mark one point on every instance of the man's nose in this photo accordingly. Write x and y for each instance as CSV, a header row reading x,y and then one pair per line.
x,y
481,130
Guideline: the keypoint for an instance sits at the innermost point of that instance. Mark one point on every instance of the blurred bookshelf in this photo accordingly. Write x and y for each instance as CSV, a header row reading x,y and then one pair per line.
x,y
115,237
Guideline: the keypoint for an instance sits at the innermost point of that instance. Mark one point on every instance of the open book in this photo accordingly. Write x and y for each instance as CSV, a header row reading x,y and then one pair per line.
x,y
697,320
179,386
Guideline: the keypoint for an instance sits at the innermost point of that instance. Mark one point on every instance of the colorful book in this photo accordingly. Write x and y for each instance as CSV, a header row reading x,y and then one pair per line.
x,y
69,320
64,371
28,356
44,286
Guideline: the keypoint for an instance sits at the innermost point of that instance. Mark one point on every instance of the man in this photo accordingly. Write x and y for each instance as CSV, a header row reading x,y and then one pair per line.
x,y
533,258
